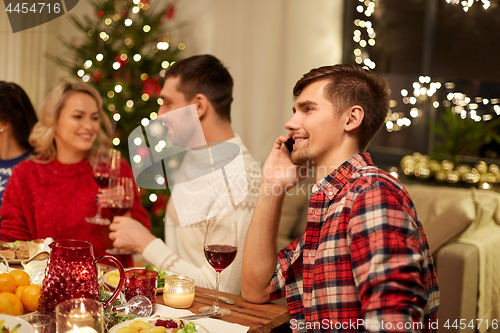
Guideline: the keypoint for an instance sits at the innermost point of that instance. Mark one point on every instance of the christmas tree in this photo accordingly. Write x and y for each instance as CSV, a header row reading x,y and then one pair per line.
x,y
125,53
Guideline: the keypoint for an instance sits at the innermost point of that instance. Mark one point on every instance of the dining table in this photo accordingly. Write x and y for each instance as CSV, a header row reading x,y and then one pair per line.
x,y
258,317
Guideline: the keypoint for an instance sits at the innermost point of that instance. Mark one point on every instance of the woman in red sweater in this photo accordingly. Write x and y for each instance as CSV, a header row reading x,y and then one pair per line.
x,y
51,194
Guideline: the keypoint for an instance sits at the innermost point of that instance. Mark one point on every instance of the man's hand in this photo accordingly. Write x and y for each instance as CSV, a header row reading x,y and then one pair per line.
x,y
279,173
129,234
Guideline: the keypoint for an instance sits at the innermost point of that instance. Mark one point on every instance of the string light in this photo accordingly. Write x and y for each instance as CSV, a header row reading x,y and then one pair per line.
x,y
361,55
99,57
116,141
460,104
162,45
466,5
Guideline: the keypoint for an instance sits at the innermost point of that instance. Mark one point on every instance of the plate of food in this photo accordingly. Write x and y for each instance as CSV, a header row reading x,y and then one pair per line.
x,y
112,278
157,324
11,324
15,252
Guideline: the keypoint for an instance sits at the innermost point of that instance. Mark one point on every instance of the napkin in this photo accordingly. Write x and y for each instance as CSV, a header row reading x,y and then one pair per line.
x,y
211,324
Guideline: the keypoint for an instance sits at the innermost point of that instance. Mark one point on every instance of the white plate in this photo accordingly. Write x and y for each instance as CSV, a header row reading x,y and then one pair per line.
x,y
11,322
115,328
112,285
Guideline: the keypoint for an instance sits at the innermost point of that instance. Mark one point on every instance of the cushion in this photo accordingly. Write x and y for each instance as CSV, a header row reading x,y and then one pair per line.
x,y
443,211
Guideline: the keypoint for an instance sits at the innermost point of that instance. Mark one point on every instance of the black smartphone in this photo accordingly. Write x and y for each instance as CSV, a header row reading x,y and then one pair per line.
x,y
289,145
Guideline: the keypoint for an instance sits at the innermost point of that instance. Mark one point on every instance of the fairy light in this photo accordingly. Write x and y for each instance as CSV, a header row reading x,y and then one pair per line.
x,y
162,45
116,141
467,4
364,28
153,197
460,103
99,57
81,73
116,117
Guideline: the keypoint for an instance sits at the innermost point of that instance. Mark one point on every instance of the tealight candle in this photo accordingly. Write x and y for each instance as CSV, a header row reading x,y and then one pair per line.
x,y
80,315
178,291
85,329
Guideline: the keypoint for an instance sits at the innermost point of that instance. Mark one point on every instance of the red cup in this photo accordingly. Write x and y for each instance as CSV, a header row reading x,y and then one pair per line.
x,y
141,282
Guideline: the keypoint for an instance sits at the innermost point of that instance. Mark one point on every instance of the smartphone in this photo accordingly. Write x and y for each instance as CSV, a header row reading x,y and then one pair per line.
x,y
289,145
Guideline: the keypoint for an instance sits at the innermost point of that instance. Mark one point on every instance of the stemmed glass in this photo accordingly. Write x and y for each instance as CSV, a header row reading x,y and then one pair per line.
x,y
139,306
221,245
105,165
120,201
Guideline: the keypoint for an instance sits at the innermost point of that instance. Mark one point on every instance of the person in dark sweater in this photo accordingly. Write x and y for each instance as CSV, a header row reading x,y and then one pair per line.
x,y
17,118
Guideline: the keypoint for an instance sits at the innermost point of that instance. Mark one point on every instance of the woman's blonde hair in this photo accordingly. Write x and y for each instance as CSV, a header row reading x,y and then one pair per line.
x,y
42,136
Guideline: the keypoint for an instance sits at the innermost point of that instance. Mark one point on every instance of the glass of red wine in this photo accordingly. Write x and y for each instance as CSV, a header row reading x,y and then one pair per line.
x,y
221,245
106,165
120,201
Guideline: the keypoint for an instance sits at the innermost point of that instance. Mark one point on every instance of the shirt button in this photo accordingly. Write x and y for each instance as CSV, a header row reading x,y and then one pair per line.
x,y
330,193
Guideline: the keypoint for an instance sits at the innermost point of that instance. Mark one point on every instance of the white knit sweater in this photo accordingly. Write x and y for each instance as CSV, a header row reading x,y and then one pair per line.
x,y
183,252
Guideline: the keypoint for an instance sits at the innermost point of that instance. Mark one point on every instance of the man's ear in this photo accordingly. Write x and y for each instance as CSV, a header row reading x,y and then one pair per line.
x,y
354,118
202,104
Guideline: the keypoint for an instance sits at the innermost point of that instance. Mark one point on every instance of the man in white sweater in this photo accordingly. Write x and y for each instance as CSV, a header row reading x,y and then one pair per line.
x,y
206,83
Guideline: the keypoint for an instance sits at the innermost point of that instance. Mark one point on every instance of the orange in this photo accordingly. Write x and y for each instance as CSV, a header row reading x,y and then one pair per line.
x,y
10,304
7,283
22,278
19,290
30,296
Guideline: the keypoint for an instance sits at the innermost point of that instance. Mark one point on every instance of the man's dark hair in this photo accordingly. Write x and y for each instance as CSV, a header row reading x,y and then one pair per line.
x,y
205,74
353,85
17,110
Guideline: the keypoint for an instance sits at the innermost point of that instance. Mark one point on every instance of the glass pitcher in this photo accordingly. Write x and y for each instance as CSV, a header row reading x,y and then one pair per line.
x,y
72,273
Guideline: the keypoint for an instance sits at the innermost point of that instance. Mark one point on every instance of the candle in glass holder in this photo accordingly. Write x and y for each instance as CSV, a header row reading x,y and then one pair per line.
x,y
178,291
85,329
80,315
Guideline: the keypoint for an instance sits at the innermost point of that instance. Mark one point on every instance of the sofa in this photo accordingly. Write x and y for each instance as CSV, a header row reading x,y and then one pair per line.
x,y
463,231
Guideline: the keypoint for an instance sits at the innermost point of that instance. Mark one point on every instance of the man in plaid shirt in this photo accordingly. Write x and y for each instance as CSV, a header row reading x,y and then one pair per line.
x,y
363,263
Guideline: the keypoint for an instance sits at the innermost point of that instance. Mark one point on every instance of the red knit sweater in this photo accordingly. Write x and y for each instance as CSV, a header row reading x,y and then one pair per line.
x,y
52,200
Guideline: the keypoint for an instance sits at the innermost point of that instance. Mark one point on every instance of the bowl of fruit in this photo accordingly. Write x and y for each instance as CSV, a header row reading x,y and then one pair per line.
x,y
17,295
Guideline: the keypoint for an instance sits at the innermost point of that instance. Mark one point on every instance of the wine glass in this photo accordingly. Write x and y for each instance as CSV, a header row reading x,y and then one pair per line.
x,y
120,201
139,306
105,165
221,245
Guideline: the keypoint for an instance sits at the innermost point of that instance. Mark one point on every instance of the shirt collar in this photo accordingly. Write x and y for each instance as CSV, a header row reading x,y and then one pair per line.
x,y
335,181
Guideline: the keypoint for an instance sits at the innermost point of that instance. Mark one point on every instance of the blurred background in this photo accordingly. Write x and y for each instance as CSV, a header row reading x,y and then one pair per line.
x,y
440,58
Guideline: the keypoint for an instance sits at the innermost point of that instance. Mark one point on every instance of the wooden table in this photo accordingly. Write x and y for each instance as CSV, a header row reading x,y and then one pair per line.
x,y
259,317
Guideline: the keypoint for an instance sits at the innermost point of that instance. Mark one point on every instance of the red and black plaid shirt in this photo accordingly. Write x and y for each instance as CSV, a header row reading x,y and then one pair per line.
x,y
363,258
